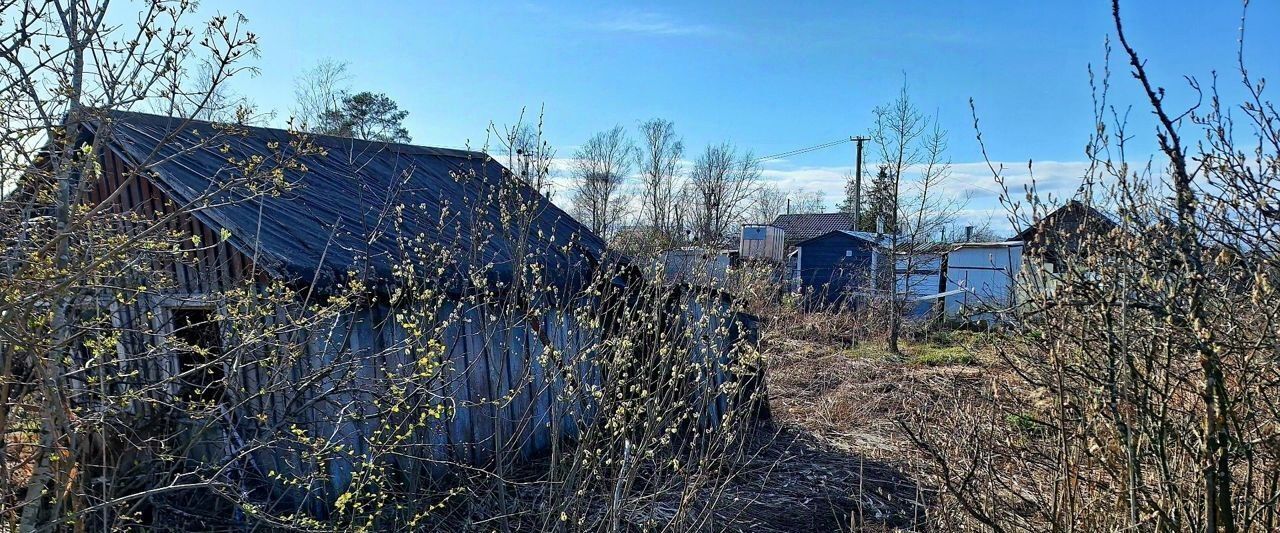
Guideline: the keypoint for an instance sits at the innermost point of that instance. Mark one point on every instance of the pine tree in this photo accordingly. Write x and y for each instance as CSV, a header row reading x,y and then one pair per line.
x,y
366,115
878,202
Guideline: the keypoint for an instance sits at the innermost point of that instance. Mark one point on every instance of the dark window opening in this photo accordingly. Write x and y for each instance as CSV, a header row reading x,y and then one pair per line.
x,y
199,350
91,347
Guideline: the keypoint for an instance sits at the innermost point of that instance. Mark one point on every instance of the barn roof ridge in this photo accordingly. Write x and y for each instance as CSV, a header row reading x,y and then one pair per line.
x,y
333,217
138,117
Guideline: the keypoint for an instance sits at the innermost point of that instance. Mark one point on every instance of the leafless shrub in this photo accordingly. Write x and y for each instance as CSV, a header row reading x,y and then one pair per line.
x,y
126,402
1146,393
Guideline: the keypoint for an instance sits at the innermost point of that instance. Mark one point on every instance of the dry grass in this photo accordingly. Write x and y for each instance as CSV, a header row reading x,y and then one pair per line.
x,y
786,481
854,396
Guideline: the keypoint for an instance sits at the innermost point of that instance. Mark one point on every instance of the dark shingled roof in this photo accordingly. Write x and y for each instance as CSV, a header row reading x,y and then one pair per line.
x,y
339,214
1063,232
804,226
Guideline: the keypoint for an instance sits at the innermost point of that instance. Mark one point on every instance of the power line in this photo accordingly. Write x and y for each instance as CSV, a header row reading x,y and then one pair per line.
x,y
799,151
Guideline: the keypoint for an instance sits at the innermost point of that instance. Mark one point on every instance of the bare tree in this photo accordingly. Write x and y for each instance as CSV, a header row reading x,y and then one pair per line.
x,y
803,201
317,92
599,170
720,183
913,155
658,161
769,202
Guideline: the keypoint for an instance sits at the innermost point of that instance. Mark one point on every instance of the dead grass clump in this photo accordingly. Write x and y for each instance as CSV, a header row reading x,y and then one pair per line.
x,y
785,480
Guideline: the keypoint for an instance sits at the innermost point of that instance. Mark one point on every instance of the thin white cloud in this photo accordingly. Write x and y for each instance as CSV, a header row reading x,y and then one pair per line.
x,y
972,183
643,22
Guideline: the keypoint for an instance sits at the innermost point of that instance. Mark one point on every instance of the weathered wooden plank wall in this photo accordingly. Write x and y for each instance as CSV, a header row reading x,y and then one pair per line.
x,y
513,386
500,382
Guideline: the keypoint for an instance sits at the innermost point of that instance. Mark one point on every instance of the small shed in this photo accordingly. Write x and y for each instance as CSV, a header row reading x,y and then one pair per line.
x,y
1055,242
982,278
834,266
761,242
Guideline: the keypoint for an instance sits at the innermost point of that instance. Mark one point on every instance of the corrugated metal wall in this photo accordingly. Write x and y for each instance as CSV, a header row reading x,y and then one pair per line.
x,y
988,275
761,242
834,265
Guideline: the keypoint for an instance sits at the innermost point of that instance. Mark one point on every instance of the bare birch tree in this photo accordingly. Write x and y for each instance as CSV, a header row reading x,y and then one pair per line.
x,y
658,160
720,183
913,154
599,171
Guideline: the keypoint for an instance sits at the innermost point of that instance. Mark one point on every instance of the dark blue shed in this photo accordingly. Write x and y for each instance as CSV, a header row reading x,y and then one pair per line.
x,y
835,264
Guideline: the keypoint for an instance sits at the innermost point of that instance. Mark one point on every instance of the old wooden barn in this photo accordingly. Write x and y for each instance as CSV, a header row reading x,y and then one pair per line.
x,y
399,273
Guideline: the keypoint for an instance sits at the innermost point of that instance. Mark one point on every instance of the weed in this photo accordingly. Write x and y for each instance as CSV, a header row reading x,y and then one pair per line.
x,y
931,355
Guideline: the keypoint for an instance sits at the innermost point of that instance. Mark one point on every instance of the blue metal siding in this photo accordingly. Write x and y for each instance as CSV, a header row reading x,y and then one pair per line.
x,y
834,264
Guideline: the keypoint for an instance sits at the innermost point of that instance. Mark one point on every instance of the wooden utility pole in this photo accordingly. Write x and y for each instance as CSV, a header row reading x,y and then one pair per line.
x,y
857,185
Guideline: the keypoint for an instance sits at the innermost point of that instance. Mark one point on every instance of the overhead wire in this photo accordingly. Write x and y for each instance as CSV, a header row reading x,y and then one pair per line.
x,y
799,151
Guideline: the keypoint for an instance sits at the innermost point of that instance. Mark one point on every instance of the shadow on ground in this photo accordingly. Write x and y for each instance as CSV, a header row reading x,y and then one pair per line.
x,y
793,482
784,480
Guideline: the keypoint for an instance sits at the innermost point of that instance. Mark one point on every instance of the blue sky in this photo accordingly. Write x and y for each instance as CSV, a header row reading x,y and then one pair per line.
x,y
767,76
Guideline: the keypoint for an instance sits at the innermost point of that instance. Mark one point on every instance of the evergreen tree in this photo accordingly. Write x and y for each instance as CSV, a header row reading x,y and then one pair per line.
x,y
366,115
878,202
846,206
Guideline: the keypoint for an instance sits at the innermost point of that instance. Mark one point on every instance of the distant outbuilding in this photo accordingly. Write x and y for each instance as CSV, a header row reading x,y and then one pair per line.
x,y
1061,234
833,266
982,279
762,243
